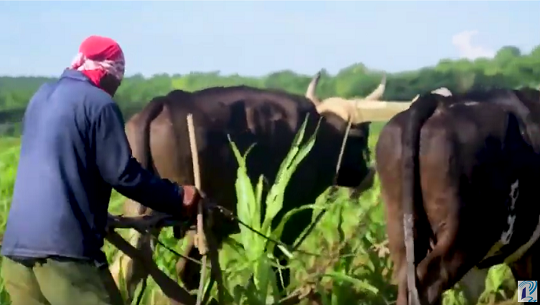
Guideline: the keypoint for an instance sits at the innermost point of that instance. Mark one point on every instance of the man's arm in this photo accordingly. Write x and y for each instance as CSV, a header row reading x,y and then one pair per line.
x,y
118,167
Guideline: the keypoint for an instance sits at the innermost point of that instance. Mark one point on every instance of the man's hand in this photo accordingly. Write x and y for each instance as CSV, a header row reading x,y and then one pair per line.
x,y
190,202
191,199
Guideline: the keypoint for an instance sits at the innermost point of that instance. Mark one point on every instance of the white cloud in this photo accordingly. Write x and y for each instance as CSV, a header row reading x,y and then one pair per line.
x,y
462,41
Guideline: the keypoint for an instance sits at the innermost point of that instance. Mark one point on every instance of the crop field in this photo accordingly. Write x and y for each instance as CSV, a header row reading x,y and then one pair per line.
x,y
352,265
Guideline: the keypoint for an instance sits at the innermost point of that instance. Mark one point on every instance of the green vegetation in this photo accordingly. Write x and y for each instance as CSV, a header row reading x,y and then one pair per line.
x,y
353,266
509,68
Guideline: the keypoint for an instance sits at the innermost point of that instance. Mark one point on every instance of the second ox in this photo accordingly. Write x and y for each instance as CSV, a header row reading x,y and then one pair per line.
x,y
459,178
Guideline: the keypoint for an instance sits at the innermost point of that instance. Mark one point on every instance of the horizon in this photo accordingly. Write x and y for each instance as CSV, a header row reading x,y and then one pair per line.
x,y
258,38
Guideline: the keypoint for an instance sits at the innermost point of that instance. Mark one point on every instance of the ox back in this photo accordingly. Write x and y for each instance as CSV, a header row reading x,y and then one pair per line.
x,y
267,118
464,171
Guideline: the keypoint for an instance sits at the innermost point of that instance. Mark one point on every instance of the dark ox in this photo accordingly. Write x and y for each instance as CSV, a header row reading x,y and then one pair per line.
x,y
459,178
269,118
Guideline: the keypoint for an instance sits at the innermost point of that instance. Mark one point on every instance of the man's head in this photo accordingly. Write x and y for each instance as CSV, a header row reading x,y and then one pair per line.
x,y
101,59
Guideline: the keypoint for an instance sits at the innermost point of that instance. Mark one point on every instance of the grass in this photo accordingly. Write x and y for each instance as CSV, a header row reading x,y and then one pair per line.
x,y
353,266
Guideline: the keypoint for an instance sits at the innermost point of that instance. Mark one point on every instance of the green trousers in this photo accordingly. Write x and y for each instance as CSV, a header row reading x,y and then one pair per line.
x,y
59,282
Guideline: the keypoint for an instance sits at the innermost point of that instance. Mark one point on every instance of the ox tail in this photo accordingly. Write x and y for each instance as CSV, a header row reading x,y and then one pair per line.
x,y
420,111
140,138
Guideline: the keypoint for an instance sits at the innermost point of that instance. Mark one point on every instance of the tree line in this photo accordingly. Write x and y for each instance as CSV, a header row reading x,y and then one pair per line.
x,y
510,68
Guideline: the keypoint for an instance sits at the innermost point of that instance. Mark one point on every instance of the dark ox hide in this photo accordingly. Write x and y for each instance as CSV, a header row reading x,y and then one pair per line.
x,y
159,139
463,176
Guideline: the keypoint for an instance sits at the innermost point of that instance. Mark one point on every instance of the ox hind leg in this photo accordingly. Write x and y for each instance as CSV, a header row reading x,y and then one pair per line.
x,y
459,245
187,268
184,273
444,267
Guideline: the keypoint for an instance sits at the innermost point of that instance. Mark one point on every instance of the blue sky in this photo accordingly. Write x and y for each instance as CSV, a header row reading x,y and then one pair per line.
x,y
255,38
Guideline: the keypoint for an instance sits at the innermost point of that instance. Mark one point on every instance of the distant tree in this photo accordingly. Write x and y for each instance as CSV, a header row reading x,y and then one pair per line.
x,y
509,68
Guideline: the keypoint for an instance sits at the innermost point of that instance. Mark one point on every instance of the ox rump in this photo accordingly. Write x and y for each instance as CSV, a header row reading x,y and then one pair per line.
x,y
459,179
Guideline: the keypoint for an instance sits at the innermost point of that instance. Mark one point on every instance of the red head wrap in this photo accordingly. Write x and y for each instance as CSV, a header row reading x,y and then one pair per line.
x,y
99,56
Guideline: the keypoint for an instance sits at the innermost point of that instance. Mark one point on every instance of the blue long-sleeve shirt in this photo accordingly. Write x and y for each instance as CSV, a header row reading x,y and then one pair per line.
x,y
73,152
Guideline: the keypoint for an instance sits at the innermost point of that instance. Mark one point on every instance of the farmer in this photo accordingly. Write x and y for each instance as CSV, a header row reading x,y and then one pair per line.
x,y
73,152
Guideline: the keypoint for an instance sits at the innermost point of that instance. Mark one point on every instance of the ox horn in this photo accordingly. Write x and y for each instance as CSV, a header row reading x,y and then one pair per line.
x,y
442,91
378,92
310,92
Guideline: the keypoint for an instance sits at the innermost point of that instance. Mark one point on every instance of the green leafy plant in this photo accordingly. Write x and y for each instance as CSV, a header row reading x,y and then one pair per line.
x,y
258,283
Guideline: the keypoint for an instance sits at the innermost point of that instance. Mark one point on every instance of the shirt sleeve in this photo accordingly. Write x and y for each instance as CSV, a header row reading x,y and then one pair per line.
x,y
121,170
